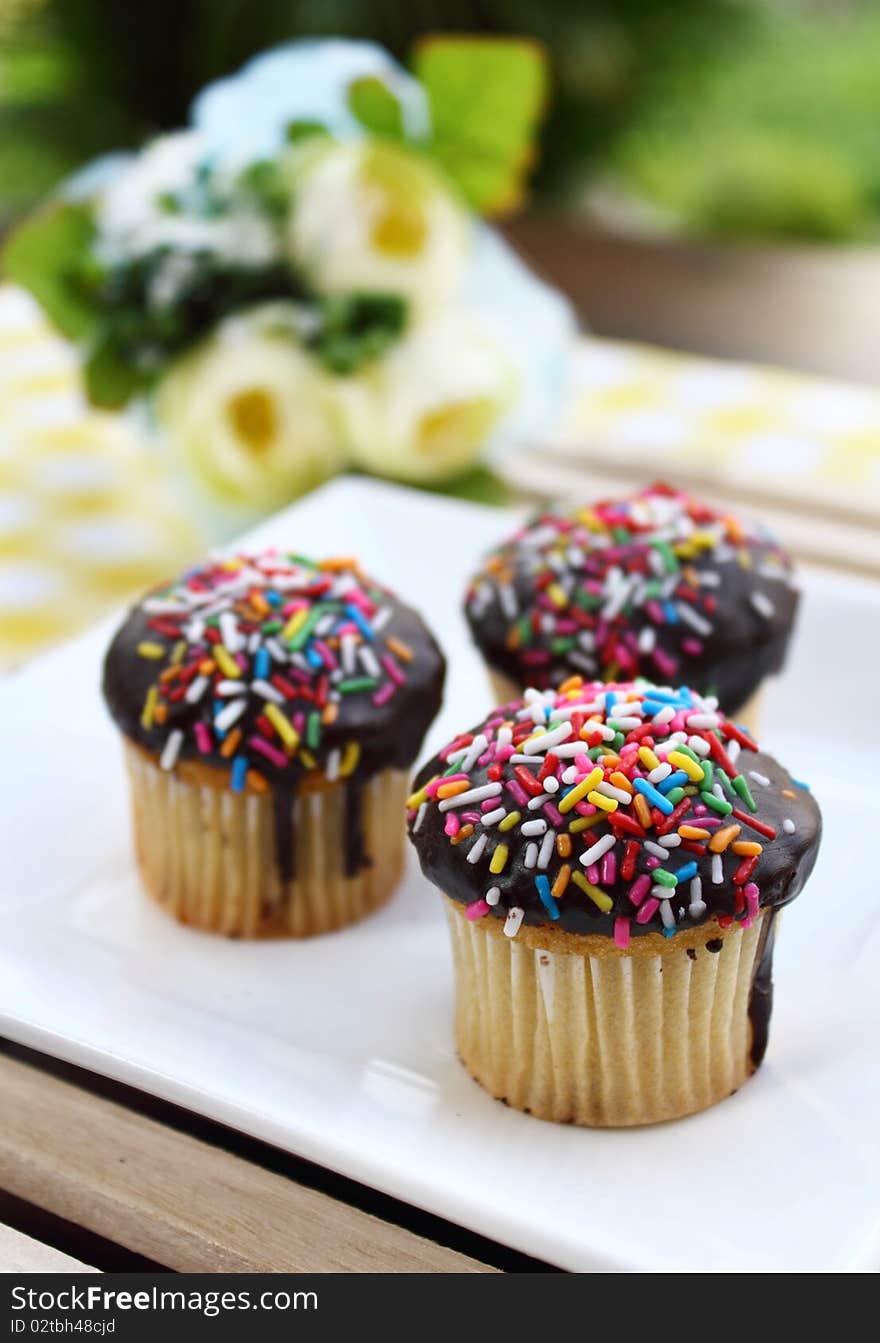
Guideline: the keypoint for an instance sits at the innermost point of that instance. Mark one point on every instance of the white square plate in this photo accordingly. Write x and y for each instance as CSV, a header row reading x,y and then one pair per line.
x,y
340,1049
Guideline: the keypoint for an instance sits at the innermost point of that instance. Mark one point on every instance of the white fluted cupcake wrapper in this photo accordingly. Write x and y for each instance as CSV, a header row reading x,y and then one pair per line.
x,y
208,855
609,1040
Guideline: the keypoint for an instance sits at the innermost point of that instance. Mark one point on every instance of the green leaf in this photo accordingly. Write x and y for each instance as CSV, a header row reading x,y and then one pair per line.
x,y
296,131
110,379
357,328
376,107
486,97
49,254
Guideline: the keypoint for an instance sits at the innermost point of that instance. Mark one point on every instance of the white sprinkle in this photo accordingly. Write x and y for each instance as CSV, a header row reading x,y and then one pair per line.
x,y
763,605
348,653
196,690
493,895
548,844
507,600
697,907
759,778
493,817
571,774
551,783
369,661
655,850
168,758
531,855
647,639
789,826
667,918
694,619
380,619
420,816
229,630
670,841
470,795
513,921
225,688
474,751
332,766
662,772
663,715
619,794
699,746
597,850
534,803
475,852
537,827
717,869
505,736
230,714
626,724
267,691
733,750
547,740
702,720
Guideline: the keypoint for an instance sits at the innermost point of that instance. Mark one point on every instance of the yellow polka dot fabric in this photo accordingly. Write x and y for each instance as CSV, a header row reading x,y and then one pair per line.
x,y
769,432
87,517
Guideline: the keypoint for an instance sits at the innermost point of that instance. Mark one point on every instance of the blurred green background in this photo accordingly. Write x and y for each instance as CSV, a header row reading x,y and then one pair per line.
x,y
732,118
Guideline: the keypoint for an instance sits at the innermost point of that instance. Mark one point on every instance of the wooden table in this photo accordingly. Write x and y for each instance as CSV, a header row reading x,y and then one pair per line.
x,y
105,1176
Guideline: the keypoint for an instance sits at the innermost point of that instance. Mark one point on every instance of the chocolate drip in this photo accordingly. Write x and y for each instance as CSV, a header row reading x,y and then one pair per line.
x,y
283,803
356,856
761,999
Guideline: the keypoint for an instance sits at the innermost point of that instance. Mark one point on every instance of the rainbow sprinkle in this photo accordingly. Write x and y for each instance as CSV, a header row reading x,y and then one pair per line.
x,y
605,793
620,589
254,655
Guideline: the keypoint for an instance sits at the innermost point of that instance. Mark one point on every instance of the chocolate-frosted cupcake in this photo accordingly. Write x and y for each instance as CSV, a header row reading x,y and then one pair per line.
x,y
270,708
612,858
656,585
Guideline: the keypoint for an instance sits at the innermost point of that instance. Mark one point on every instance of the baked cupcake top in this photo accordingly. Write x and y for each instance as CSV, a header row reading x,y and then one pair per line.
x,y
655,585
618,809
270,667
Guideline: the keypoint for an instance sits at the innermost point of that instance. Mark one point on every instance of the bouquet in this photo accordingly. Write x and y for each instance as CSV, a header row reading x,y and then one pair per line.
x,y
299,281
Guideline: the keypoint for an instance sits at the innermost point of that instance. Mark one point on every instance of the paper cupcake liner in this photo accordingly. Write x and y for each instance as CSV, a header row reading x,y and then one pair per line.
x,y
208,855
503,688
612,1039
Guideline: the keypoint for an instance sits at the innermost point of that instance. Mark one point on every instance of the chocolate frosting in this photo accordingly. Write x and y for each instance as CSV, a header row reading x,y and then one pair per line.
x,y
783,807
709,602
346,689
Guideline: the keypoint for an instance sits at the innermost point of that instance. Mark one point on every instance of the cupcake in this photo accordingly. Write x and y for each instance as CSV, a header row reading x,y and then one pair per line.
x,y
271,708
612,859
657,585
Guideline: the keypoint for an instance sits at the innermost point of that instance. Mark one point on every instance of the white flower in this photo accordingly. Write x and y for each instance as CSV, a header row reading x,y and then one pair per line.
x,y
253,414
149,202
372,217
427,409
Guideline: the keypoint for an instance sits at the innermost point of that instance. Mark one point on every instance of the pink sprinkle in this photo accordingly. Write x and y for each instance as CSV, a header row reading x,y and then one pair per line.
x,y
453,824
679,723
355,597
470,817
517,792
693,647
648,910
392,669
621,933
324,653
384,693
203,738
299,722
503,753
297,604
552,813
639,889
655,611
752,895
272,753
593,874
489,804
668,665
652,862
609,869
478,910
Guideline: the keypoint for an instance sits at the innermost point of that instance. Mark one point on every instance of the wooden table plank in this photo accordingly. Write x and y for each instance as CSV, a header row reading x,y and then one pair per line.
x,y
22,1254
180,1201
